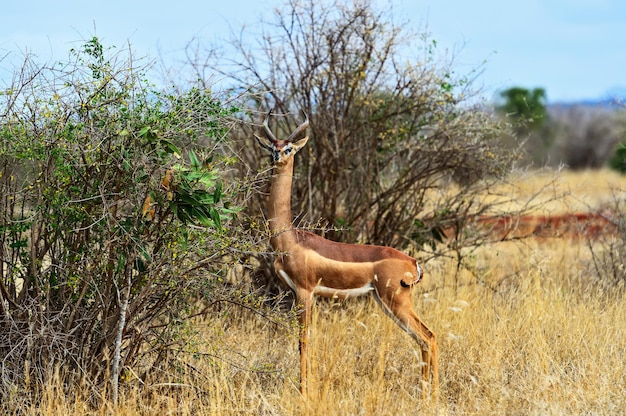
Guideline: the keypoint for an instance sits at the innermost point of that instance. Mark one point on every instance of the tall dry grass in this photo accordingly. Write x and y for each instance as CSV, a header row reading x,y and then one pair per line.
x,y
532,331
551,192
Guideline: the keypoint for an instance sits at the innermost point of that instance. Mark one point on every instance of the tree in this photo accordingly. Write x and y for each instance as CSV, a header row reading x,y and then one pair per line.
x,y
618,161
586,136
527,112
526,107
387,130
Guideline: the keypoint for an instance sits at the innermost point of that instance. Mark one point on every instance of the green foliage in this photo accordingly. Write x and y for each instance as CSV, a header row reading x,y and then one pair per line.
x,y
424,234
618,161
526,107
111,193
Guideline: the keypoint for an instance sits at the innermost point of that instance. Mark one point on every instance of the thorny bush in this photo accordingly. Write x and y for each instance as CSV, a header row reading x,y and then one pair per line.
x,y
113,215
400,148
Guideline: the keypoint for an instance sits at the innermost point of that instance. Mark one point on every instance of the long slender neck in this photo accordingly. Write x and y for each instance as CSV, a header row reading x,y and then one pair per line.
x,y
279,208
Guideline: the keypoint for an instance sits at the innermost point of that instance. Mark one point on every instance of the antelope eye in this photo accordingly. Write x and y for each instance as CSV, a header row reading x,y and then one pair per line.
x,y
287,151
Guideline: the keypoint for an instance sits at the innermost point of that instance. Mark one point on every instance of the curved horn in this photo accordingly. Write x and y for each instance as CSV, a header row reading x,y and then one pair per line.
x,y
266,126
302,127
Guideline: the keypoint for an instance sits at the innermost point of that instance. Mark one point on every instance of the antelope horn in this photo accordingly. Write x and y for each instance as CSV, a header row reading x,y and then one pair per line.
x,y
266,126
302,127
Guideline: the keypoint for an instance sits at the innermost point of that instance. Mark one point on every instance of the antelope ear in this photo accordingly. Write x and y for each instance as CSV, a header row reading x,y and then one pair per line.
x,y
299,144
265,143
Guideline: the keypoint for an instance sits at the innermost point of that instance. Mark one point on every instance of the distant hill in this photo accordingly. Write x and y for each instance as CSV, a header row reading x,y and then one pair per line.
x,y
612,103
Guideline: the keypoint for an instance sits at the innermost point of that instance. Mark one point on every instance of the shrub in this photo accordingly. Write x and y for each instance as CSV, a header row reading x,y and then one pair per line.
x,y
113,214
388,130
618,161
586,136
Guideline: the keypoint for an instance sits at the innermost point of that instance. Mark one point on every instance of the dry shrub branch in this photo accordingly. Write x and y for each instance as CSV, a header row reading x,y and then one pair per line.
x,y
115,212
400,148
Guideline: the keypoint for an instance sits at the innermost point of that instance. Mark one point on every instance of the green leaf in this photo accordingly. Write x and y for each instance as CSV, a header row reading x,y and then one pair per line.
x,y
185,241
215,216
170,148
204,198
193,175
202,218
193,158
121,263
207,179
188,200
217,195
19,244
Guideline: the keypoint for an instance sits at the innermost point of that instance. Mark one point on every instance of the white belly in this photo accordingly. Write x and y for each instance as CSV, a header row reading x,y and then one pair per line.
x,y
329,292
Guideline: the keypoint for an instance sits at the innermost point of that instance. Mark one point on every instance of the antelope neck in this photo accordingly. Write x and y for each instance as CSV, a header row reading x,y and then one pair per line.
x,y
279,209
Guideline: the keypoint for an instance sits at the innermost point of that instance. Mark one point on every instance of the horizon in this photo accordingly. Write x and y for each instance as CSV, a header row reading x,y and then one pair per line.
x,y
572,49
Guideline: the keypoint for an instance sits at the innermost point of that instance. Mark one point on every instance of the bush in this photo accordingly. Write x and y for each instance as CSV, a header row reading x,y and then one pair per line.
x,y
607,270
586,136
387,130
618,161
113,214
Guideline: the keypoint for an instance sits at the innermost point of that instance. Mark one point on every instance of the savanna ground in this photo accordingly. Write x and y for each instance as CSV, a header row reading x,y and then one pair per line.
x,y
532,331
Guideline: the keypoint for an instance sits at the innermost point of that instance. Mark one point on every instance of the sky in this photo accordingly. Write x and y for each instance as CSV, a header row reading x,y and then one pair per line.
x,y
575,49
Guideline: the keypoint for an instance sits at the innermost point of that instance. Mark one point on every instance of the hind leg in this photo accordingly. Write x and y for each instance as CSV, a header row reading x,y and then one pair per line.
x,y
397,304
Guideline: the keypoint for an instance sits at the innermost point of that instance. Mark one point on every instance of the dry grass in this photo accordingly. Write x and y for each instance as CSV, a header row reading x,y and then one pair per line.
x,y
533,334
559,192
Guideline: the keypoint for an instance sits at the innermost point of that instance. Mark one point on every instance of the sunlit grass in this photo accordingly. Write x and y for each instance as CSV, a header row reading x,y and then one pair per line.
x,y
529,332
544,342
550,192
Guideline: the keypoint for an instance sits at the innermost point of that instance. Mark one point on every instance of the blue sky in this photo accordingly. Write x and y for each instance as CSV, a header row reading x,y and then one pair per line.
x,y
575,49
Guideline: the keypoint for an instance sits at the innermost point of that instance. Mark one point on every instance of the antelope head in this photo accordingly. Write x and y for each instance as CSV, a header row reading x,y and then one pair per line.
x,y
282,150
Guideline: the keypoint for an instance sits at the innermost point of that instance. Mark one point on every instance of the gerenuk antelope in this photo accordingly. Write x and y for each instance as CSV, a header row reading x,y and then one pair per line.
x,y
311,265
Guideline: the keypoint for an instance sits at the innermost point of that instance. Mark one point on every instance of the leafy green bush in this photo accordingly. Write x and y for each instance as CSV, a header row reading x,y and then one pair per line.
x,y
618,161
526,107
113,212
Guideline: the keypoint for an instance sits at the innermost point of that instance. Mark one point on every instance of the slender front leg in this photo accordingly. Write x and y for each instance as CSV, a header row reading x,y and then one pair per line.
x,y
305,298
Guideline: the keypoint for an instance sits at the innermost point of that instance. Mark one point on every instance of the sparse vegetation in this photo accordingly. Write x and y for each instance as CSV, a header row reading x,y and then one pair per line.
x,y
536,329
579,136
387,126
118,232
542,341
112,217
587,137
